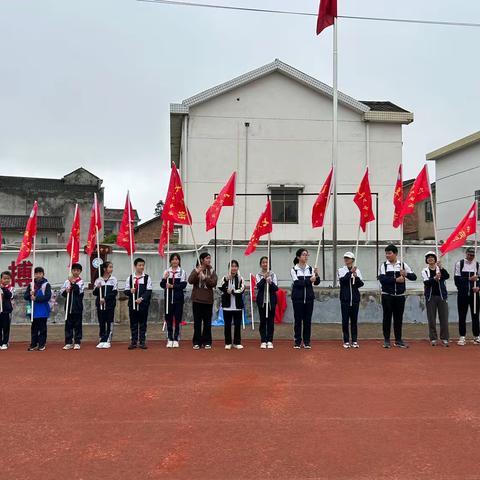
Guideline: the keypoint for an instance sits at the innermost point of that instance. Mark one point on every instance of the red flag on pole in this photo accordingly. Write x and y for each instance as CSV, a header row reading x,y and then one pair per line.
x,y
30,232
419,191
263,227
226,198
125,236
167,230
175,210
398,200
363,200
327,12
95,222
321,203
467,227
73,245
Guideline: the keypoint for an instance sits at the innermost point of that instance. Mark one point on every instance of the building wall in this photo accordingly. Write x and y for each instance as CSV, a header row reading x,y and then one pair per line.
x,y
150,232
289,142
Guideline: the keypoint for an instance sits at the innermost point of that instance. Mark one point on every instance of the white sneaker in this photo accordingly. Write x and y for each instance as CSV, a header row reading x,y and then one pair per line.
x,y
238,347
269,345
68,346
461,341
208,347
355,345
170,344
107,345
175,344
196,347
101,345
76,346
476,340
346,345
228,347
263,345
4,347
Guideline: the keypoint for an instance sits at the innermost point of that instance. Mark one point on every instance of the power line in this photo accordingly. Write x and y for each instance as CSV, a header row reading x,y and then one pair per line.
x,y
308,14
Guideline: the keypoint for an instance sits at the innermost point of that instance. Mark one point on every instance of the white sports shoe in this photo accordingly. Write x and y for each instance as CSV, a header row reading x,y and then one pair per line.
x,y
355,345
170,344
269,345
107,345
476,340
76,346
175,344
238,347
346,345
68,346
4,347
263,345
101,345
461,341
228,347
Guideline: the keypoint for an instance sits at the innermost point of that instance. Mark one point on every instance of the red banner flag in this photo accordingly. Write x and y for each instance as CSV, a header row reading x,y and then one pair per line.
x,y
73,245
264,226
467,227
95,223
321,203
175,210
226,198
166,232
398,200
30,232
363,200
327,12
419,191
125,238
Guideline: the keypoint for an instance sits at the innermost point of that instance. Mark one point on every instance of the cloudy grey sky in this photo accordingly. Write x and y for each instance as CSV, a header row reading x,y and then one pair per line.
x,y
88,82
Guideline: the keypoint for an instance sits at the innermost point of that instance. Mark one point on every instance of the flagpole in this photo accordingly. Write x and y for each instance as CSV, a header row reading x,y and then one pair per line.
x,y
476,246
318,248
335,150
130,239
32,288
194,242
102,307
168,259
251,300
401,243
434,217
69,271
267,289
231,237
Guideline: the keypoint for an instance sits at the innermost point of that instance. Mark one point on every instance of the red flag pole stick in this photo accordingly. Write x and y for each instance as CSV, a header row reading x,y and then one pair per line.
x,y
32,288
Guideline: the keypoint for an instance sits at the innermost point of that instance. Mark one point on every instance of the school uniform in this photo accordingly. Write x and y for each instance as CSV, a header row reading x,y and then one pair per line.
x,y
465,296
393,297
176,299
74,307
41,311
108,289
232,305
267,318
349,302
6,314
202,305
138,313
303,297
436,302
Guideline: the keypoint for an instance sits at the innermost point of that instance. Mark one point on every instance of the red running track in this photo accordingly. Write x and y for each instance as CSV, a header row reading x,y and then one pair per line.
x,y
281,414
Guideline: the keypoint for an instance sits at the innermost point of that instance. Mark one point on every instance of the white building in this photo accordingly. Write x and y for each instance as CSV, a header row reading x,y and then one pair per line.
x,y
273,126
457,181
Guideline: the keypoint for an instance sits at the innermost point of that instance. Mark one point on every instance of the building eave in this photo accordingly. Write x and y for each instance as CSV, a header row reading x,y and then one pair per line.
x,y
454,146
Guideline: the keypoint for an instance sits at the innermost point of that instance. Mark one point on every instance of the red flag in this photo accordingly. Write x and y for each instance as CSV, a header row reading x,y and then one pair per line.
x,y
264,226
363,200
321,203
419,191
73,245
467,227
125,236
327,12
226,198
398,200
95,223
167,230
253,283
175,210
30,232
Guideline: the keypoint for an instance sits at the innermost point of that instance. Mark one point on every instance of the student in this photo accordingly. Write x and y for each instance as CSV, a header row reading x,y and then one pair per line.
x,y
204,280
40,295
232,289
174,282
267,318
6,295
392,277
434,277
138,289
467,273
105,290
72,290
350,279
304,277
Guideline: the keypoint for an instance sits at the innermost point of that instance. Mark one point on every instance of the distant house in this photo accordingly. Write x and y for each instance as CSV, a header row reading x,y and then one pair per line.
x,y
419,225
149,232
113,219
457,179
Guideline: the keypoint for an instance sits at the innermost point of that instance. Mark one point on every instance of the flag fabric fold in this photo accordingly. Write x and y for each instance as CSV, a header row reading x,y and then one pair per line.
x,y
263,227
327,12
175,210
419,191
363,200
30,232
73,245
321,203
467,227
165,233
226,198
398,199
95,223
125,237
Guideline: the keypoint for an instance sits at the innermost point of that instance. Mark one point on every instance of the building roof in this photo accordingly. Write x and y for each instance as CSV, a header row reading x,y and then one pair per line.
x,y
454,146
148,222
19,222
115,214
383,106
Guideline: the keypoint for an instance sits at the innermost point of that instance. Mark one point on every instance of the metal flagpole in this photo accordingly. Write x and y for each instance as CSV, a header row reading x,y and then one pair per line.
x,y
335,151
318,248
32,288
168,278
231,237
102,306
267,286
476,246
130,239
69,271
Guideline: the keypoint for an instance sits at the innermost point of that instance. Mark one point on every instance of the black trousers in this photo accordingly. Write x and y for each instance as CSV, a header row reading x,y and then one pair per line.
x,y
39,332
138,325
105,321
5,321
174,315
393,307
202,316
463,303
267,323
302,313
350,319
230,316
73,328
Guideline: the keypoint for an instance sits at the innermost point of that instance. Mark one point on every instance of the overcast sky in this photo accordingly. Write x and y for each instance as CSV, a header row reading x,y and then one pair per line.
x,y
89,82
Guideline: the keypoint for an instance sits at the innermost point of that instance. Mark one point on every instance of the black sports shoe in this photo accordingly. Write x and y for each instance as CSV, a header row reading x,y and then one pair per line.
x,y
387,344
132,346
400,344
32,348
143,346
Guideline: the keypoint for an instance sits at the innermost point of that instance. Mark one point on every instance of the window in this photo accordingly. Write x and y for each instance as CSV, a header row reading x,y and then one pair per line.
x,y
284,205
428,211
477,197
